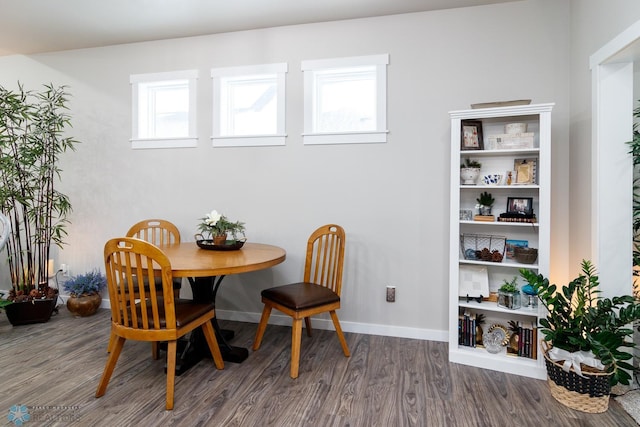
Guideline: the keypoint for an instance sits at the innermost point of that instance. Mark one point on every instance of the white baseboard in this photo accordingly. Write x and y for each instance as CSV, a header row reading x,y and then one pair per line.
x,y
325,324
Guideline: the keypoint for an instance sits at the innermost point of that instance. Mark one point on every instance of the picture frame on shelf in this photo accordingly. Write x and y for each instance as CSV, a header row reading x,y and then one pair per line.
x,y
520,205
525,171
471,135
466,215
474,281
510,246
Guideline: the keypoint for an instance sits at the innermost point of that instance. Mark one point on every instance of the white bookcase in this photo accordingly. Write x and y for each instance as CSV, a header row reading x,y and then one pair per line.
x,y
498,159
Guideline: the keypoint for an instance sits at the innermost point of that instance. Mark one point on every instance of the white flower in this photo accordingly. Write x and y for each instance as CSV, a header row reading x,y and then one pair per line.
x,y
211,219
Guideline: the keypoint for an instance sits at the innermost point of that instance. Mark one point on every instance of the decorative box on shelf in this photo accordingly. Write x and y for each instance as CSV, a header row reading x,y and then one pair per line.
x,y
510,141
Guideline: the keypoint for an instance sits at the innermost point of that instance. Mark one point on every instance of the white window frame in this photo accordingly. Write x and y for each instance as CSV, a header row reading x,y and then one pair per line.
x,y
278,70
187,141
311,135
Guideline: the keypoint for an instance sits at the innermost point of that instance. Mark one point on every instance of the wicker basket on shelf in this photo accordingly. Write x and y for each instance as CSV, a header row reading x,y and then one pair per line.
x,y
525,255
589,393
483,247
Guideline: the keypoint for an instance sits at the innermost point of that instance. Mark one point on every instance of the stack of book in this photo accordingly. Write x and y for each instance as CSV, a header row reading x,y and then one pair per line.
x,y
527,340
467,329
513,217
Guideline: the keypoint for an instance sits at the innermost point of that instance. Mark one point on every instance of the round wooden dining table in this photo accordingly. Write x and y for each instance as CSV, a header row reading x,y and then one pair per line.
x,y
205,269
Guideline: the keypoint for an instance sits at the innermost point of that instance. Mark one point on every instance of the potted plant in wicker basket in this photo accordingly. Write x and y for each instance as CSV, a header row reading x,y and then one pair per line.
x,y
586,337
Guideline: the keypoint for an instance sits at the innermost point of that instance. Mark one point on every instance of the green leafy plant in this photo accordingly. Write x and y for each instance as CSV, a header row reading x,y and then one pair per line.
x,y
470,164
216,224
89,283
32,125
485,199
579,319
634,144
510,286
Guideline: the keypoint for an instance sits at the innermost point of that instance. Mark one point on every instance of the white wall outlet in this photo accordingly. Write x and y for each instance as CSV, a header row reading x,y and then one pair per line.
x,y
391,294
65,269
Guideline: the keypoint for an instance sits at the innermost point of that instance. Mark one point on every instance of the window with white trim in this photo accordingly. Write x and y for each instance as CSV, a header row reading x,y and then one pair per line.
x,y
345,100
164,109
249,105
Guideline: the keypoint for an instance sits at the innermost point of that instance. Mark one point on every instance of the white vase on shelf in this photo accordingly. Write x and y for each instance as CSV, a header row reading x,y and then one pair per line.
x,y
469,175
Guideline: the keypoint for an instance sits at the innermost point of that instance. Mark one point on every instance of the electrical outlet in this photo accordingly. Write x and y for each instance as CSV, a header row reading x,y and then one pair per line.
x,y
65,269
391,294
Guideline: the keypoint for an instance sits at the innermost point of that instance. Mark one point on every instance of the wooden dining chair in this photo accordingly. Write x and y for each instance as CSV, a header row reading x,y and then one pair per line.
x,y
318,293
153,316
158,232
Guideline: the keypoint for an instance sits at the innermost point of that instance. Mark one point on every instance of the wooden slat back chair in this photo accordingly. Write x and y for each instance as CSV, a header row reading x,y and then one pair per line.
x,y
158,232
154,316
318,293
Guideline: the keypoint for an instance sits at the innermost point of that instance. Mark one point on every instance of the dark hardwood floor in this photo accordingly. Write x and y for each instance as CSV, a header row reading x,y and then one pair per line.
x,y
54,368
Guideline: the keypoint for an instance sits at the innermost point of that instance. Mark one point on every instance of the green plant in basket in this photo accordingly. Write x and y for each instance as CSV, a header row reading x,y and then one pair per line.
x,y
580,320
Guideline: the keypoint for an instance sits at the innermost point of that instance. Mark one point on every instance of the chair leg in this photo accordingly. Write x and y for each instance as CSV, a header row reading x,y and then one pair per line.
x,y
296,336
118,342
172,347
343,342
307,324
110,345
112,340
155,352
210,336
266,312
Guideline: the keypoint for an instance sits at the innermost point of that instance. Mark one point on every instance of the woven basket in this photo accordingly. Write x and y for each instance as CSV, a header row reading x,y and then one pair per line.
x,y
483,247
587,394
525,255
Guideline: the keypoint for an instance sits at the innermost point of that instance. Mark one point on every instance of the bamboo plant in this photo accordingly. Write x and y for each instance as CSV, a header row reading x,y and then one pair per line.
x,y
32,138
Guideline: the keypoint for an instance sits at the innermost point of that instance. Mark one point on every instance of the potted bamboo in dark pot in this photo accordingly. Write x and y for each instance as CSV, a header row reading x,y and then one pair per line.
x,y
587,339
32,126
84,293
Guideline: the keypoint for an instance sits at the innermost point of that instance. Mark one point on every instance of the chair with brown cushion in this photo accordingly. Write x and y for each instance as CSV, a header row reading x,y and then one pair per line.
x,y
318,293
152,316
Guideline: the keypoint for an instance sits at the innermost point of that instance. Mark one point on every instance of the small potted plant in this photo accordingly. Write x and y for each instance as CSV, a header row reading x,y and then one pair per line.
x,y
218,227
469,171
509,295
589,337
485,202
84,293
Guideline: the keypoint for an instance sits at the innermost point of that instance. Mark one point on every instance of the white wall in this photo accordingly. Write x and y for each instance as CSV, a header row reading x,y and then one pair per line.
x,y
391,198
593,24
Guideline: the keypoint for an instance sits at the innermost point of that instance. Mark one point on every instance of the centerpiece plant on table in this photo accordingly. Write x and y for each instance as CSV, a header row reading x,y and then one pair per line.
x,y
219,227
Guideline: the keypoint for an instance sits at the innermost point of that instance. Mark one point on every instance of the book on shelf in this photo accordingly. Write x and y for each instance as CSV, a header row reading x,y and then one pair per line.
x,y
467,329
527,340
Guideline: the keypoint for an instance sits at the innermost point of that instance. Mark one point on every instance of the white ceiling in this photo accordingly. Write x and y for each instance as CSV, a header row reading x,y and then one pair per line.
x,y
36,26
